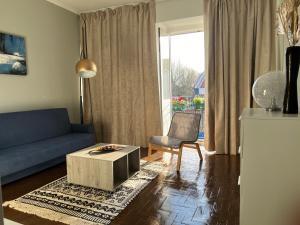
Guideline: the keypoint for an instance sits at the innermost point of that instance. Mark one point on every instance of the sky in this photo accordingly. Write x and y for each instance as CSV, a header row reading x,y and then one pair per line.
x,y
186,48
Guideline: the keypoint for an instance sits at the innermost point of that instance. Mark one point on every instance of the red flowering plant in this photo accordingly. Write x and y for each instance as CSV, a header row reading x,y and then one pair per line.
x,y
178,103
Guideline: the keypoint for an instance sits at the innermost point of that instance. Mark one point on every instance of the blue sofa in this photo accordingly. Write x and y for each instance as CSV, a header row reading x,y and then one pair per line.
x,y
35,140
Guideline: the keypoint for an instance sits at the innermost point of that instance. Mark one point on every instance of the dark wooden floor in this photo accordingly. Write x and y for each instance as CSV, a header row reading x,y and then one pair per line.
x,y
205,194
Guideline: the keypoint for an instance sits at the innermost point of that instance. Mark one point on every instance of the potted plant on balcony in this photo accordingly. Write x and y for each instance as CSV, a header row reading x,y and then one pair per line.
x,y
198,102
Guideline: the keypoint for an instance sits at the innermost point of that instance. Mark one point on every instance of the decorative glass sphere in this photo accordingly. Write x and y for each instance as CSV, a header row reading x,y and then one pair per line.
x,y
268,90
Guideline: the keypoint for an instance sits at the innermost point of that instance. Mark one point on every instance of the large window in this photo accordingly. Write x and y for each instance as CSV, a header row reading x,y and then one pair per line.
x,y
183,78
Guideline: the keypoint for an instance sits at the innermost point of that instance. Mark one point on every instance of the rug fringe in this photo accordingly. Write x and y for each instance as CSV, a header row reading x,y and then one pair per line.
x,y
47,214
67,219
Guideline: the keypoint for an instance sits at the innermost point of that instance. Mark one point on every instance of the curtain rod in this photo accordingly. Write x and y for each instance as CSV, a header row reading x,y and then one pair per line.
x,y
117,6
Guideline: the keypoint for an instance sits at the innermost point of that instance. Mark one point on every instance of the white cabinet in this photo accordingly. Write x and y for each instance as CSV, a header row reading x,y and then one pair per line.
x,y
270,167
1,210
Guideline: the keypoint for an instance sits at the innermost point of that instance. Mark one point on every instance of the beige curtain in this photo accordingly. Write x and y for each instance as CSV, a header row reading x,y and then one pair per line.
x,y
123,99
240,46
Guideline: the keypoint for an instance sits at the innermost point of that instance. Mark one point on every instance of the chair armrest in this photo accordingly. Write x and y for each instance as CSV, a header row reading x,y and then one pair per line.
x,y
82,128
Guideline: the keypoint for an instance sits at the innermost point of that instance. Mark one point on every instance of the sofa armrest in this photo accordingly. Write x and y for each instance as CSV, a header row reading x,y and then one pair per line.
x,y
82,128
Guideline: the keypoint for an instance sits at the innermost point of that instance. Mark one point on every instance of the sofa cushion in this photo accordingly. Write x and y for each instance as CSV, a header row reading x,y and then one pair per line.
x,y
18,158
27,127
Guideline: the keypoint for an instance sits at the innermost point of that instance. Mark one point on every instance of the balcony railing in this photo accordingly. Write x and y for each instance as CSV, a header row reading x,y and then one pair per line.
x,y
190,104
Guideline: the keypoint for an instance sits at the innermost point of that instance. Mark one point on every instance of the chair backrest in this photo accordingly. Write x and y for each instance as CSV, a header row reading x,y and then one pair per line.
x,y
185,126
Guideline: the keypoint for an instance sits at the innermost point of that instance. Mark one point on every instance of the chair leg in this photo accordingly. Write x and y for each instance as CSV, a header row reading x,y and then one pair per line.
x,y
179,158
149,149
172,151
199,151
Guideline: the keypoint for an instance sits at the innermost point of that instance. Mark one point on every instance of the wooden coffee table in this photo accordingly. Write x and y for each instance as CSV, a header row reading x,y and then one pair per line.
x,y
106,171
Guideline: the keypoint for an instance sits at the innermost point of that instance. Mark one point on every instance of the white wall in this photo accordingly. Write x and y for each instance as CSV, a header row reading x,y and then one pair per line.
x,y
178,9
52,42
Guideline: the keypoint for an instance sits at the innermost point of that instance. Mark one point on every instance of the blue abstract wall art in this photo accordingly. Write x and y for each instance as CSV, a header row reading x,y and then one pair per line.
x,y
12,55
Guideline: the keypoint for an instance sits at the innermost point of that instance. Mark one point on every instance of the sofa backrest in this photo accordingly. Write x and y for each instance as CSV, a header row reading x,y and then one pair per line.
x,y
19,128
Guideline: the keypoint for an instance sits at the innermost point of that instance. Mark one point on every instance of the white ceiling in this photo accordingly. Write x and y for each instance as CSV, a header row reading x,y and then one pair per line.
x,y
181,26
79,6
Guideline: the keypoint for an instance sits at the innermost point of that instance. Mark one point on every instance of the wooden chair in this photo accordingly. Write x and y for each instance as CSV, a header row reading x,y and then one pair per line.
x,y
183,132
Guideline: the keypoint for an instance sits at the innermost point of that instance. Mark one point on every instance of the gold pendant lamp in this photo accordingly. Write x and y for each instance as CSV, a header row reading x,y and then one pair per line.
x,y
85,67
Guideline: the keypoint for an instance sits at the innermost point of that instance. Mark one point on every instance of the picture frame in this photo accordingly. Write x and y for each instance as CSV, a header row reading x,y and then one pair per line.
x,y
12,54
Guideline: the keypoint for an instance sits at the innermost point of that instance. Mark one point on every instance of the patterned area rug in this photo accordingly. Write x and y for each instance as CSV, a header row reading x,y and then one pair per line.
x,y
79,205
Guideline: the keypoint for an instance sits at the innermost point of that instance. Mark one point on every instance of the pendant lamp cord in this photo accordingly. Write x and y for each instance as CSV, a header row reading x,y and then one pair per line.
x,y
83,54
